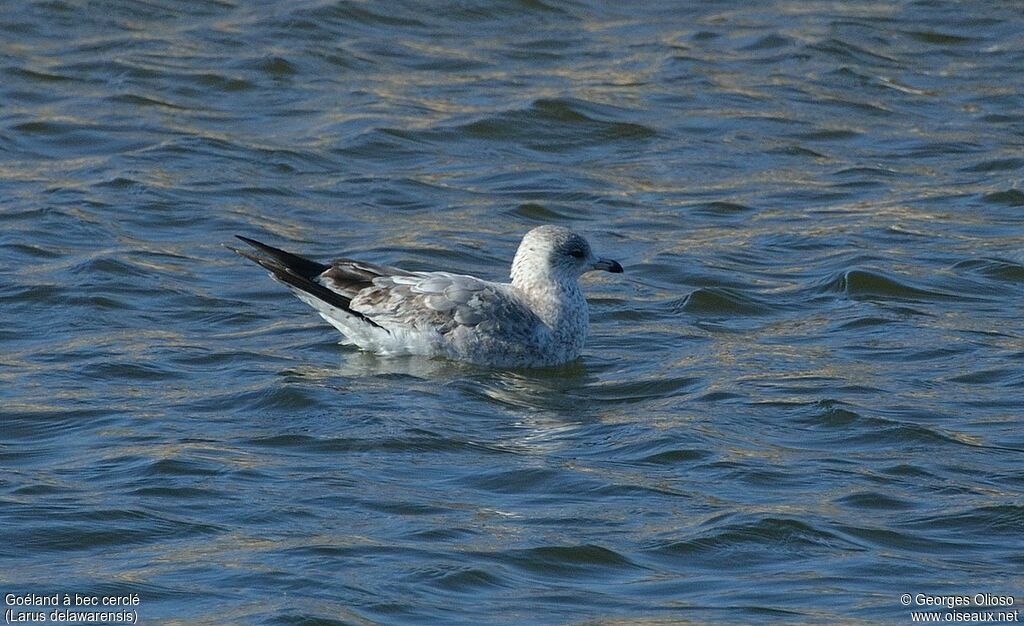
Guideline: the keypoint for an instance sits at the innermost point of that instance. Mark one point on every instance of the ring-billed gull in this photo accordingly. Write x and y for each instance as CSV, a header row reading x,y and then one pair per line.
x,y
539,319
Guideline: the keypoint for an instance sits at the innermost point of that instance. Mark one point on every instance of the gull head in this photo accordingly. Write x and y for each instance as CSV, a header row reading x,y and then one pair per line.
x,y
556,253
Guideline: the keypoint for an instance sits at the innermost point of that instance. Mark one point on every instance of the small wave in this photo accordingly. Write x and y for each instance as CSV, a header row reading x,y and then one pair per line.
x,y
721,301
567,561
998,269
113,370
675,456
407,444
346,13
986,521
889,434
36,75
758,541
538,213
874,501
887,538
868,284
70,136
84,530
145,101
180,493
831,414
167,467
1010,197
548,125
772,41
467,580
847,52
827,134
988,376
720,209
278,397
273,66
995,165
647,389
108,265
530,481
943,39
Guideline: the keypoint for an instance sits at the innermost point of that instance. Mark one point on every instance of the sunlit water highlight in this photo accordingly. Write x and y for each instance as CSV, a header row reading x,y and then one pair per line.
x,y
802,399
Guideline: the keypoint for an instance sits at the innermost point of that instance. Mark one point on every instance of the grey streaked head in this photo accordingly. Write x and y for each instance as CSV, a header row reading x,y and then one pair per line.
x,y
556,251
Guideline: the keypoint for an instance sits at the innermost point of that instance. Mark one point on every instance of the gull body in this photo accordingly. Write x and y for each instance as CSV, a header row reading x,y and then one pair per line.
x,y
538,319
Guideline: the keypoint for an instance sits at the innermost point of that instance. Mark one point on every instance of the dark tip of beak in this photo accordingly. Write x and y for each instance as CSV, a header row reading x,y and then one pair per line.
x,y
609,266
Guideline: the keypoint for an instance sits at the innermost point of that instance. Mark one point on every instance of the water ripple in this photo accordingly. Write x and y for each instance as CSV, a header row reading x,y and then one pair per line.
x,y
802,394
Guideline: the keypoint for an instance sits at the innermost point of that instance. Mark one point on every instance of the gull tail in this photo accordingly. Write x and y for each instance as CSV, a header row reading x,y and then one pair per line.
x,y
300,274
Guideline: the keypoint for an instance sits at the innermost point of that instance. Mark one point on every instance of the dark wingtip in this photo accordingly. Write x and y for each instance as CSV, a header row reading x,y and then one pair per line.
x,y
295,263
244,253
299,273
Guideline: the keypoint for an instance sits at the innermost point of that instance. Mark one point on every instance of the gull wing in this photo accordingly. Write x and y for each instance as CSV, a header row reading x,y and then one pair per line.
x,y
446,303
391,310
305,277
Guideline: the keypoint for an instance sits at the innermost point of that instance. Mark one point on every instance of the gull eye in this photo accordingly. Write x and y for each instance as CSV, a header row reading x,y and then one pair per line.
x,y
577,253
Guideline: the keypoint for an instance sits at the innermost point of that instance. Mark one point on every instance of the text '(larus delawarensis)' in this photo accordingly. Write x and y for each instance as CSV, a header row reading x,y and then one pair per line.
x,y
539,319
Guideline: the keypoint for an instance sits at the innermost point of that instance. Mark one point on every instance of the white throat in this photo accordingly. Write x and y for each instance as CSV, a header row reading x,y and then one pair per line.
x,y
555,298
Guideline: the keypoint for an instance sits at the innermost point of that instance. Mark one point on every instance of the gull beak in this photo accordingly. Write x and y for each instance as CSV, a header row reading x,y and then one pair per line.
x,y
607,265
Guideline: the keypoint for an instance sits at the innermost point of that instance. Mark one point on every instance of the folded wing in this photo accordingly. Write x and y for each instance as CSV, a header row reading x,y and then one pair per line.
x,y
393,310
444,303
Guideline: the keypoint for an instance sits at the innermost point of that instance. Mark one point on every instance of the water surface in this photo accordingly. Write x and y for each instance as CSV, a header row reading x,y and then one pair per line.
x,y
801,400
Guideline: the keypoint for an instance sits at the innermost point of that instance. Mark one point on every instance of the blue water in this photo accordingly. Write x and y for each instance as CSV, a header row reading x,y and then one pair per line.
x,y
801,400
